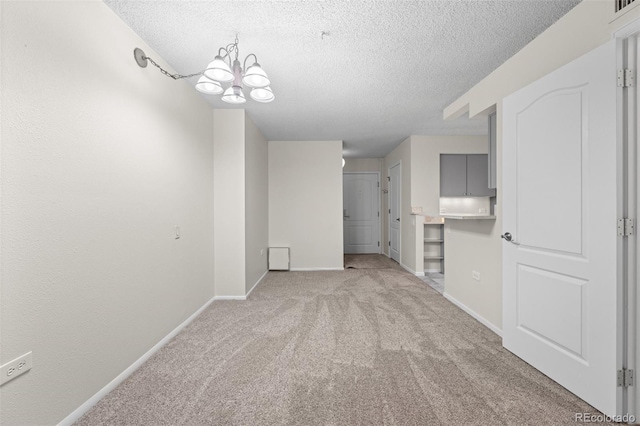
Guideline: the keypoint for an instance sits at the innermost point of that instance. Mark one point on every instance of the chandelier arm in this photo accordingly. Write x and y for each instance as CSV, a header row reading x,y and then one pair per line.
x,y
245,60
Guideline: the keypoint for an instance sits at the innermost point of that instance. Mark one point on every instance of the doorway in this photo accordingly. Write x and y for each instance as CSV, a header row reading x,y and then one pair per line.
x,y
395,212
361,213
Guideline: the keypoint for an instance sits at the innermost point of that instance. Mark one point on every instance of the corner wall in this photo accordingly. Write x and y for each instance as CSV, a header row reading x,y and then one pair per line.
x,y
100,160
305,202
229,206
256,204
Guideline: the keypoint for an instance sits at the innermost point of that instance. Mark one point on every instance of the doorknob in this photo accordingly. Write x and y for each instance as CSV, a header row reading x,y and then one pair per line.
x,y
508,237
398,219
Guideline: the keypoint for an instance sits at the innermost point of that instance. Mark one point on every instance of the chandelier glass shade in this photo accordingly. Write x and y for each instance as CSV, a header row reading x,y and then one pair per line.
x,y
234,95
262,94
210,87
218,70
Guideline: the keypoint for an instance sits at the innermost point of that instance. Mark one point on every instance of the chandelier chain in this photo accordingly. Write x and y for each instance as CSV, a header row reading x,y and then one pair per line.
x,y
168,74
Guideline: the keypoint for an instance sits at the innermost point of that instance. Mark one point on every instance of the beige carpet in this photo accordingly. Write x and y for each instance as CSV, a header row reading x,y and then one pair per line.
x,y
354,347
369,261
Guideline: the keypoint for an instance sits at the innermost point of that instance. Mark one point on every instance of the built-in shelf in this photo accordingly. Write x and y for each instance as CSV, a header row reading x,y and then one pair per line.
x,y
433,247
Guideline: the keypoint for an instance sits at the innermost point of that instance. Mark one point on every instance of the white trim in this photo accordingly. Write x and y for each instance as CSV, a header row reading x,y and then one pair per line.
x,y
628,30
257,282
315,269
432,270
408,269
86,406
474,314
419,274
230,298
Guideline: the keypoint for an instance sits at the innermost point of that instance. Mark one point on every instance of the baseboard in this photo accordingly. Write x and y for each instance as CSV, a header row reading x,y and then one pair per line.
x,y
432,270
408,269
86,406
257,282
471,312
315,269
230,298
419,274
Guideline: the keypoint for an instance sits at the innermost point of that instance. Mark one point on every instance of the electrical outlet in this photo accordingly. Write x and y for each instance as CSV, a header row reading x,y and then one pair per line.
x,y
177,231
475,275
15,368
443,210
482,210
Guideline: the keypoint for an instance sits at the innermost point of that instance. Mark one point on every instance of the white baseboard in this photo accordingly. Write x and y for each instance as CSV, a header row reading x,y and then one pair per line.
x,y
407,268
315,269
475,315
419,274
257,282
432,270
230,298
78,412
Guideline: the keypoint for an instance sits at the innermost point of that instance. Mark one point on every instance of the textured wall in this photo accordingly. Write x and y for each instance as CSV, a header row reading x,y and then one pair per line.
x,y
256,204
100,159
305,202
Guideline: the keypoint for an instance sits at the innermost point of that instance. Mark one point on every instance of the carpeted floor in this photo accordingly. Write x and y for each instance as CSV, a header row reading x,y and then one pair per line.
x,y
369,261
353,347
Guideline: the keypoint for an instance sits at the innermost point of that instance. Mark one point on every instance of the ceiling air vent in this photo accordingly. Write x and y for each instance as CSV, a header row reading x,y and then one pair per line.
x,y
621,4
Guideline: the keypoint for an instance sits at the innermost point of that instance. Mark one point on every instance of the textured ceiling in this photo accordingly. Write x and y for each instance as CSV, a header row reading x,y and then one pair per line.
x,y
386,71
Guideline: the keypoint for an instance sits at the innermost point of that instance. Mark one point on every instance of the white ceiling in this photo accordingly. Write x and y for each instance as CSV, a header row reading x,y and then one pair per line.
x,y
386,71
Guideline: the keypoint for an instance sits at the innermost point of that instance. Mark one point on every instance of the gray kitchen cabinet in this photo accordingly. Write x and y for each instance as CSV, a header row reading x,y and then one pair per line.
x,y
464,175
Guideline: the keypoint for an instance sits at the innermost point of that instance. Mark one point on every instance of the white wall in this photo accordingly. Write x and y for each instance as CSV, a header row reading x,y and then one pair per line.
x,y
100,159
229,208
256,204
363,165
305,202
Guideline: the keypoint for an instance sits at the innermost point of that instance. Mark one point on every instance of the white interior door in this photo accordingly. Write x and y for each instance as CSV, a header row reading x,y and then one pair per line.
x,y
394,212
562,152
361,214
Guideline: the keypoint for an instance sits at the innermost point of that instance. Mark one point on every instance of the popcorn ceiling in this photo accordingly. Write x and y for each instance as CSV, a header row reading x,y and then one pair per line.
x,y
383,70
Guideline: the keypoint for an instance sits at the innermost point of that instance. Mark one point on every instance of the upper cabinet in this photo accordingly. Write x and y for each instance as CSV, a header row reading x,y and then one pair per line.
x,y
465,175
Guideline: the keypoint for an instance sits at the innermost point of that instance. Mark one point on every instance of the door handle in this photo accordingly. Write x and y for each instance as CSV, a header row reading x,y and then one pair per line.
x,y
398,220
508,237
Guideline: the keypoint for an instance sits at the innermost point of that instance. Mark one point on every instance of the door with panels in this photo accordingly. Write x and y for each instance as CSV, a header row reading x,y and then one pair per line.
x,y
361,215
562,256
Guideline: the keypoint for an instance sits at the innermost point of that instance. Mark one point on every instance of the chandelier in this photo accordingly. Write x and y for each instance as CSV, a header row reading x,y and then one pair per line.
x,y
221,72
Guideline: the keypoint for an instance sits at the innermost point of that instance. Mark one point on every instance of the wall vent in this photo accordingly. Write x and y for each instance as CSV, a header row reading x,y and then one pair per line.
x,y
621,4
